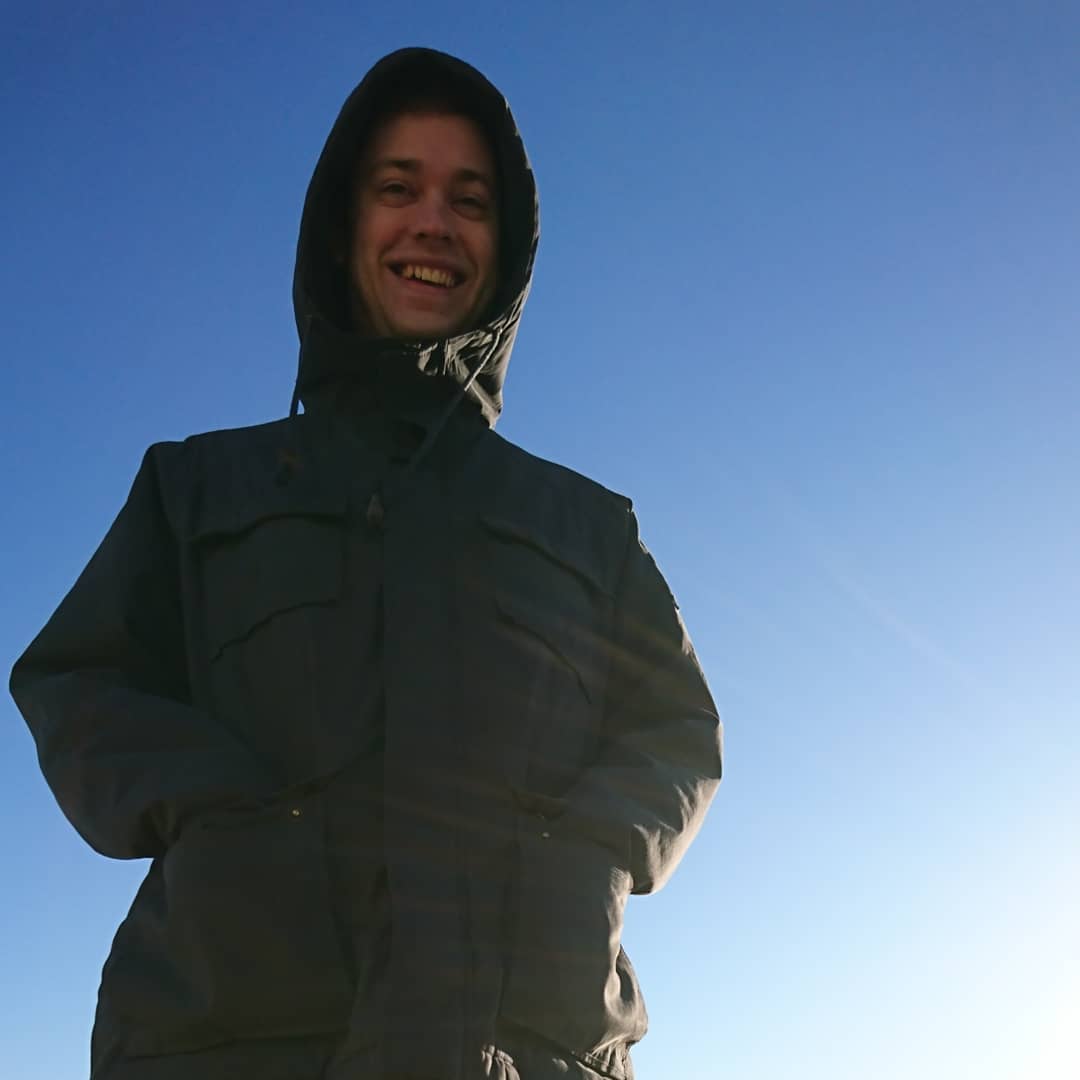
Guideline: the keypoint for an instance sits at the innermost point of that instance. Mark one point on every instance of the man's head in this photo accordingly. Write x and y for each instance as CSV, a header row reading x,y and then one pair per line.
x,y
424,168
424,225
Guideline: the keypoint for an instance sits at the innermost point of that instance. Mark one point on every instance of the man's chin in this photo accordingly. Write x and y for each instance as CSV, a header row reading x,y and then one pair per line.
x,y
425,329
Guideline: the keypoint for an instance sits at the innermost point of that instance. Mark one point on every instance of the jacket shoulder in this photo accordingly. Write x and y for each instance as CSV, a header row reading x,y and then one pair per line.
x,y
228,442
572,484
221,480
218,447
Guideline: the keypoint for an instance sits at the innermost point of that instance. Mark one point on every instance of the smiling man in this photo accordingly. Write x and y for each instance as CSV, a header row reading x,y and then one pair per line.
x,y
401,714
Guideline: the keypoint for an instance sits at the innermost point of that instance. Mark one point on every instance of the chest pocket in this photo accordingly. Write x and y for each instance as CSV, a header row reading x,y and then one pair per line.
x,y
550,658
272,610
265,564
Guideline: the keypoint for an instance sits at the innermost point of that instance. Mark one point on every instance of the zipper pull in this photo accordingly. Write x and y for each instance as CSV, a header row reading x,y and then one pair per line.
x,y
376,512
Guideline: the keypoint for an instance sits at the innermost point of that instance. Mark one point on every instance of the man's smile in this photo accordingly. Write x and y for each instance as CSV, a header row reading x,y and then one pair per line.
x,y
431,275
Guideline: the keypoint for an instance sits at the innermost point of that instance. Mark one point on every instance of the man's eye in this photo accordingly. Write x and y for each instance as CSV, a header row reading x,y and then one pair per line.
x,y
473,204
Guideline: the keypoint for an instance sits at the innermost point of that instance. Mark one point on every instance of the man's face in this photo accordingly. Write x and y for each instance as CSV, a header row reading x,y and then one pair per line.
x,y
424,242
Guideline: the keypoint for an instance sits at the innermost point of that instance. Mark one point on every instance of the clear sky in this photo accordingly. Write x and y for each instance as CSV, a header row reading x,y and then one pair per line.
x,y
807,292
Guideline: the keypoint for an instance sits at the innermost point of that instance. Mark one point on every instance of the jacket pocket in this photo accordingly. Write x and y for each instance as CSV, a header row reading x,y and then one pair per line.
x,y
551,636
263,566
567,977
547,654
272,631
245,944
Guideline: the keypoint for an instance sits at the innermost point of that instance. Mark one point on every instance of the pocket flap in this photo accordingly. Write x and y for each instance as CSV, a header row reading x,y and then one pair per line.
x,y
557,631
221,518
270,565
551,545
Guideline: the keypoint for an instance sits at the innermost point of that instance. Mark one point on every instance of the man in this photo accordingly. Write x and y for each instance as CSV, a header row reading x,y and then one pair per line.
x,y
401,713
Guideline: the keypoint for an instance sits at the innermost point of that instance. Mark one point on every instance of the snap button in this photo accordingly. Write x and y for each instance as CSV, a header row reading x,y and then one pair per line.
x,y
288,463
296,811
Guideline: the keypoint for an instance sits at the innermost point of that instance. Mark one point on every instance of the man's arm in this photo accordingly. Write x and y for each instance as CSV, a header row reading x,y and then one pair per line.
x,y
621,827
646,795
104,689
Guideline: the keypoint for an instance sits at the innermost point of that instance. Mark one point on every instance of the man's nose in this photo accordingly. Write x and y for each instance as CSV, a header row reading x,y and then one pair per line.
x,y
434,218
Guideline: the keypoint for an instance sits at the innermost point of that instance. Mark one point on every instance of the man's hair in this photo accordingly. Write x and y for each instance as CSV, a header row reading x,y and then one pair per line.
x,y
438,94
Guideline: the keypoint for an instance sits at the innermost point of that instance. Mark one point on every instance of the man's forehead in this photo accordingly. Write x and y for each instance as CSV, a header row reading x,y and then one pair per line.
x,y
412,141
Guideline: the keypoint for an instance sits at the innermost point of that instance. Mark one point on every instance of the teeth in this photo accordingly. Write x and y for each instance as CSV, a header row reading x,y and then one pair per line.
x,y
429,274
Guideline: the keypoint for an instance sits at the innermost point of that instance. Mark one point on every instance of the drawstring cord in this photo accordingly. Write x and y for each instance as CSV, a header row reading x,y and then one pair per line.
x,y
376,507
375,514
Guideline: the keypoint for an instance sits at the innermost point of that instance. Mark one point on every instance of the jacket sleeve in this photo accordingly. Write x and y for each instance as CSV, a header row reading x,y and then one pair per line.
x,y
104,690
645,797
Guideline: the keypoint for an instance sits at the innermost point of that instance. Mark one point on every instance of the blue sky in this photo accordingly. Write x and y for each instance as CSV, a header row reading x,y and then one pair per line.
x,y
807,292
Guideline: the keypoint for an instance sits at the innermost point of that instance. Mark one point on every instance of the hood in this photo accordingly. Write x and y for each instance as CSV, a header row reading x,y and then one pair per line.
x,y
476,360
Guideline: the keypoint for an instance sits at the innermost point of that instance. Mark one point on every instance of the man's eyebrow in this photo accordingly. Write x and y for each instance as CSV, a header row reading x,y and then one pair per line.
x,y
404,164
475,175
412,165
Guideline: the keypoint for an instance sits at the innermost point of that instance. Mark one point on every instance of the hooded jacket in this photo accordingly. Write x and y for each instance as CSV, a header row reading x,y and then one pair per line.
x,y
549,745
